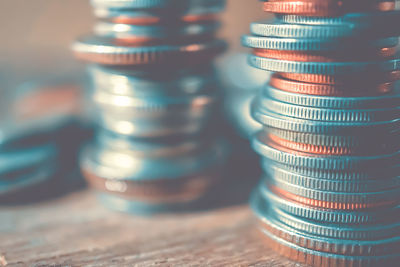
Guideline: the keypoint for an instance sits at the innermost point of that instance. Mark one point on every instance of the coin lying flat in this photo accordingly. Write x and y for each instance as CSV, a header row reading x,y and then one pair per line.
x,y
349,217
106,51
326,8
153,4
193,11
387,100
305,44
373,185
144,35
338,89
162,179
365,77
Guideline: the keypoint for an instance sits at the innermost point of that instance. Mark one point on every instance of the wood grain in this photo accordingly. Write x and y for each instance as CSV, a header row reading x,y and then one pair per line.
x,y
76,231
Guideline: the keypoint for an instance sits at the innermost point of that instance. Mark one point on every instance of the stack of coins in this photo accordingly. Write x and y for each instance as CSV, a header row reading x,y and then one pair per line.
x,y
155,93
39,139
331,123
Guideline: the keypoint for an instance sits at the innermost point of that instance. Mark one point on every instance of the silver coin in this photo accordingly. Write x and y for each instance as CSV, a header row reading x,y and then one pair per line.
x,y
134,165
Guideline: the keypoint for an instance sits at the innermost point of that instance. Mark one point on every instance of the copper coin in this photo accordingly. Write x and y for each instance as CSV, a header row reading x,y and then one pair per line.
x,y
328,245
160,190
108,52
331,144
199,18
367,78
287,149
299,87
345,206
306,8
151,20
331,56
299,251
140,41
137,41
314,149
325,8
136,21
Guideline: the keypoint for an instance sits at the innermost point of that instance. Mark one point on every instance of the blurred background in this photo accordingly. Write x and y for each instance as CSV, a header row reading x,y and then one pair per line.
x,y
36,35
35,52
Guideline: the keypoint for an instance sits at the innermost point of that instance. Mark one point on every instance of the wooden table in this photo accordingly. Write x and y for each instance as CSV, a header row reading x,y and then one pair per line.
x,y
73,230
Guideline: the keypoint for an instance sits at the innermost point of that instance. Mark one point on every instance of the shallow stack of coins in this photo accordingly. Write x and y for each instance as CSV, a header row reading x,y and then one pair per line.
x,y
154,92
331,124
39,140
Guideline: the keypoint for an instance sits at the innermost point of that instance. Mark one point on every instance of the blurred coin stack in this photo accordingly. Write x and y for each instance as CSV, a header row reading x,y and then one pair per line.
x,y
154,92
39,139
331,123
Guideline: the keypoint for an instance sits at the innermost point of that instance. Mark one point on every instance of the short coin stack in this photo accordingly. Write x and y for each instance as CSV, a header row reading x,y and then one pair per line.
x,y
331,123
39,139
155,94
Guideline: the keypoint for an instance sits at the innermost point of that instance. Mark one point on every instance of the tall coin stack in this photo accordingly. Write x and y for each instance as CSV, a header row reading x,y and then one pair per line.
x,y
155,94
331,123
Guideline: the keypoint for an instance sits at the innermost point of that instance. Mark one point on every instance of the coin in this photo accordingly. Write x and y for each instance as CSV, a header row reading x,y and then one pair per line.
x,y
324,244
374,232
324,68
163,178
181,189
155,96
334,200
314,44
320,202
379,183
328,89
153,34
325,8
275,28
362,102
369,54
367,77
196,11
25,181
105,51
333,145
262,196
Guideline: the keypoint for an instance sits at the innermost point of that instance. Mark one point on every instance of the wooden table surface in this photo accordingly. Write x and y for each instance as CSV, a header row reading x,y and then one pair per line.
x,y
74,230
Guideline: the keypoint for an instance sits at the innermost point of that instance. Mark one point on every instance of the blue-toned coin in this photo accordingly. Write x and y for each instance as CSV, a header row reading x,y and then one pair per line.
x,y
379,183
164,82
390,100
263,197
315,44
13,160
152,4
143,34
325,68
194,12
132,206
276,28
368,19
276,120
136,165
274,152
34,176
327,114
107,51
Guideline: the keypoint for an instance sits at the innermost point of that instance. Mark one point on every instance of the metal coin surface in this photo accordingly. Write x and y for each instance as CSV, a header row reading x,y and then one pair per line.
x,y
106,51
151,34
325,8
263,196
334,90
